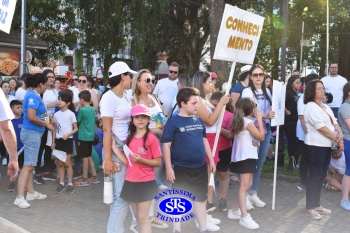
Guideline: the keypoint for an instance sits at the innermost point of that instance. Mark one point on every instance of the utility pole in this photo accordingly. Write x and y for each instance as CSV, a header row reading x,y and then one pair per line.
x,y
23,38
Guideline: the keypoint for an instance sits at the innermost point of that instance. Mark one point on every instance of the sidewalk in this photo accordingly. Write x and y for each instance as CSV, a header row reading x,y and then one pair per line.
x,y
84,211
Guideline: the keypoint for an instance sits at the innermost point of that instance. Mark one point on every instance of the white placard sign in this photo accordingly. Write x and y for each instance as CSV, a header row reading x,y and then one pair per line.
x,y
7,9
239,35
278,102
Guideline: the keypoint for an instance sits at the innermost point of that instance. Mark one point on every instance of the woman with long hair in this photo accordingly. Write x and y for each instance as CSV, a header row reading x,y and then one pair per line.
x,y
13,86
263,98
291,120
209,115
84,81
5,86
242,83
344,122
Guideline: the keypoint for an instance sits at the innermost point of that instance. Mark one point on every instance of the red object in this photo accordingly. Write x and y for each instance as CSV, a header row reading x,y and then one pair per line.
x,y
68,74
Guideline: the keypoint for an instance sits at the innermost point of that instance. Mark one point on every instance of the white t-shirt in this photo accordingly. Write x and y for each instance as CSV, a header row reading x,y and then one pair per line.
x,y
335,86
213,128
11,97
5,110
339,164
119,109
262,103
301,108
20,93
64,122
49,97
315,117
72,88
242,147
165,90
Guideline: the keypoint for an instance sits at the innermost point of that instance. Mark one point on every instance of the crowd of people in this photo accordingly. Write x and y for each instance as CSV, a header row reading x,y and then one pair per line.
x,y
67,134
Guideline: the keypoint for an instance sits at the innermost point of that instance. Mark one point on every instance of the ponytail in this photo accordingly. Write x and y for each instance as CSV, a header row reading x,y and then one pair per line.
x,y
238,121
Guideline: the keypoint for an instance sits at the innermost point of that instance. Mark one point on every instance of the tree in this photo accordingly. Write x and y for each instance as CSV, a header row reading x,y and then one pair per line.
x,y
51,21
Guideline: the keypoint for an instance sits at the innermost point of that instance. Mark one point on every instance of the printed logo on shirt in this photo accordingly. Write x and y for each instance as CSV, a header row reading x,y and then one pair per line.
x,y
19,126
141,151
182,129
175,205
31,102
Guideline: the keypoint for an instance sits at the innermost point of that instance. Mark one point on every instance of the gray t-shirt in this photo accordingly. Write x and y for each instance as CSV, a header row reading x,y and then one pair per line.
x,y
344,113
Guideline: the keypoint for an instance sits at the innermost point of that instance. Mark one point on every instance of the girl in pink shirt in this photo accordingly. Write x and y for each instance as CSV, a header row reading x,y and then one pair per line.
x,y
140,185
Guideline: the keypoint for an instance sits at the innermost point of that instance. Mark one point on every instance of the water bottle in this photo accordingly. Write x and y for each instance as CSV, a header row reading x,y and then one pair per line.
x,y
108,190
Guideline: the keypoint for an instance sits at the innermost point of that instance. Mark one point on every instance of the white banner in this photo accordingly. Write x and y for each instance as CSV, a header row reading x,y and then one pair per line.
x,y
278,102
7,9
238,36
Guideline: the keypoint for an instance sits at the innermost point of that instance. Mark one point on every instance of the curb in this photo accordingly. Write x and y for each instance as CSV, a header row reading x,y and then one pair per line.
x,y
292,179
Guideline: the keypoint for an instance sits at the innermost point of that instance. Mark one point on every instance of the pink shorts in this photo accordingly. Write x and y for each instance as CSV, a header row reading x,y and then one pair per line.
x,y
211,139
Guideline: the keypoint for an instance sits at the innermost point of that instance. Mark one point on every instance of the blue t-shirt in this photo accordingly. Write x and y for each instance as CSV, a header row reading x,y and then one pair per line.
x,y
186,136
238,88
17,125
32,100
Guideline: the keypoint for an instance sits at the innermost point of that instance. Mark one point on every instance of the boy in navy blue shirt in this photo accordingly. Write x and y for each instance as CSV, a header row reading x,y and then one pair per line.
x,y
185,146
16,107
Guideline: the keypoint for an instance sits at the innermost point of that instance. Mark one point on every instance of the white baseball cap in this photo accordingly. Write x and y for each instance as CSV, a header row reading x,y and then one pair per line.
x,y
118,68
244,69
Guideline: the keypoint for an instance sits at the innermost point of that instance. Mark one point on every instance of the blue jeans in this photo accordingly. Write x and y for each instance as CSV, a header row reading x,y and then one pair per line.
x,y
335,112
31,142
119,207
262,152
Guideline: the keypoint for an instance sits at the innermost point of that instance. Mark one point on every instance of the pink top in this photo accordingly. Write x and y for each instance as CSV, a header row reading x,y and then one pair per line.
x,y
140,172
225,142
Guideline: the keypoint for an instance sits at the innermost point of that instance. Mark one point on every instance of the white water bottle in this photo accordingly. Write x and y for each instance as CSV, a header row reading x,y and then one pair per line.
x,y
108,190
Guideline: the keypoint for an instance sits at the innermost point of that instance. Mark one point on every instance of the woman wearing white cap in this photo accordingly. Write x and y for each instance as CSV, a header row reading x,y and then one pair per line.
x,y
115,110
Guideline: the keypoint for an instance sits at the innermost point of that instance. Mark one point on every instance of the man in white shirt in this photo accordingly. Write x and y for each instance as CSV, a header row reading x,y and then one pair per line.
x,y
334,83
8,135
166,89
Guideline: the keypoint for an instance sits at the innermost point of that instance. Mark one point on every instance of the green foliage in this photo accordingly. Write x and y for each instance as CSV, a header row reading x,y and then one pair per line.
x,y
51,21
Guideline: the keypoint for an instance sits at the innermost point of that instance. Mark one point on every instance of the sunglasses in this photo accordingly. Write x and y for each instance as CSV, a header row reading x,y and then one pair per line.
x,y
173,72
83,81
50,76
258,74
75,79
148,80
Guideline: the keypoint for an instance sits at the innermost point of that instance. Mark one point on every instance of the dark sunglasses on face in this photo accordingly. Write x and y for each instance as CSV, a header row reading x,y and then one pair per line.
x,y
148,80
75,79
258,74
83,81
173,72
52,76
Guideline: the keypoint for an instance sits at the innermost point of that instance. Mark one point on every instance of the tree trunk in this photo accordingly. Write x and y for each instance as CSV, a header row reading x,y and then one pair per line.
x,y
343,56
221,68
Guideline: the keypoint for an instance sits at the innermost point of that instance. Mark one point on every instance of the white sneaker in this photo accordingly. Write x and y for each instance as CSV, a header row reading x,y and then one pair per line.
x,y
213,220
133,227
210,226
248,205
234,214
162,187
248,222
255,200
35,195
21,202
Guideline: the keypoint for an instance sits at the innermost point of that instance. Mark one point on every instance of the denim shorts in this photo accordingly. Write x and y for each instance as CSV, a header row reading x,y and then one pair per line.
x,y
31,141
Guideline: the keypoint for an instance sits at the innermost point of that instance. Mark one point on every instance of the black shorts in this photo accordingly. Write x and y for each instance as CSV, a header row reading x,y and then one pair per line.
x,y
225,160
84,148
193,180
64,145
139,191
244,166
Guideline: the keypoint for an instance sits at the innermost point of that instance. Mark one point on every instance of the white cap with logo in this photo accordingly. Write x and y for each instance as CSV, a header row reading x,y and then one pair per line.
x,y
118,68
